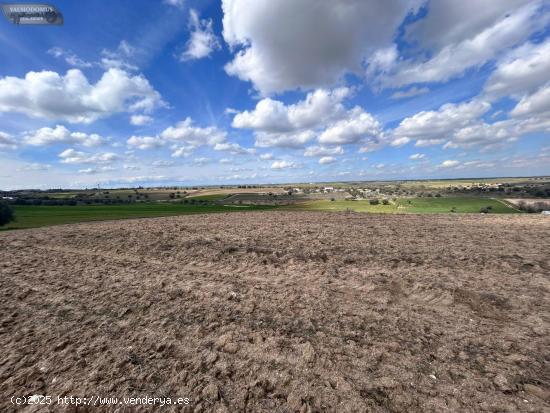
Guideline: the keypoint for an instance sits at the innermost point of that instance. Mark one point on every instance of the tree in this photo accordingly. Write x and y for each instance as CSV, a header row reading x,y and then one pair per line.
x,y
6,213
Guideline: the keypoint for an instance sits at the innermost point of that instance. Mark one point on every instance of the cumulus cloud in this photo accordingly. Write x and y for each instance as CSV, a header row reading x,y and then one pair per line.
x,y
234,148
323,151
284,140
400,141
72,156
194,136
145,142
535,104
292,44
321,114
73,99
283,165
449,164
60,134
325,160
140,120
432,127
466,48
356,126
266,156
273,116
520,72
202,41
6,141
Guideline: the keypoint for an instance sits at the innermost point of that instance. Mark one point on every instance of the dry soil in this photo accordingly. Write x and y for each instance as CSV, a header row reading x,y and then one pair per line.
x,y
281,312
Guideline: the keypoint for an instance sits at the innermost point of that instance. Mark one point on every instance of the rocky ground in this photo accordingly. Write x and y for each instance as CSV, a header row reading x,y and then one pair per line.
x,y
281,312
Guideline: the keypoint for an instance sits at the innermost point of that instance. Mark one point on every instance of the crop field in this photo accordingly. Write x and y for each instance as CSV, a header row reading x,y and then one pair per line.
x,y
283,311
40,216
414,205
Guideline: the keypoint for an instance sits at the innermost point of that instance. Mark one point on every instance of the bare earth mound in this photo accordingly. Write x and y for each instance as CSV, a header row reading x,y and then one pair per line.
x,y
278,312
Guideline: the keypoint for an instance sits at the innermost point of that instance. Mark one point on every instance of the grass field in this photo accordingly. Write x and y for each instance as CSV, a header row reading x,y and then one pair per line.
x,y
416,205
41,216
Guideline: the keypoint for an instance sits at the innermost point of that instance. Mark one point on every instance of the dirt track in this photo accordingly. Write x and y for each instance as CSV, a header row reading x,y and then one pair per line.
x,y
276,312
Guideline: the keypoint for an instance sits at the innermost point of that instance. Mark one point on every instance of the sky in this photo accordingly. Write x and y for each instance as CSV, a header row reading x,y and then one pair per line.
x,y
209,92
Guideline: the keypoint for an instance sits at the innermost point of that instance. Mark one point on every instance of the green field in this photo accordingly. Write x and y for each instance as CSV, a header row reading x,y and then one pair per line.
x,y
416,205
40,216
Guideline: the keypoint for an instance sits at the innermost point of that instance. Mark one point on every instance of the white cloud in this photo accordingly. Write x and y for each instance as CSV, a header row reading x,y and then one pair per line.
x,y
6,141
400,141
72,156
417,156
60,134
323,151
321,114
140,120
194,136
449,21
234,148
144,142
92,171
72,98
266,156
283,165
535,104
175,3
449,164
513,28
202,41
292,44
181,151
284,140
121,58
428,142
325,160
357,126
70,58
273,116
522,71
432,127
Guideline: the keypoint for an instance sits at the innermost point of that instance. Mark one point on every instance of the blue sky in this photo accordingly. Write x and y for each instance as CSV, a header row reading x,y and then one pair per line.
x,y
191,92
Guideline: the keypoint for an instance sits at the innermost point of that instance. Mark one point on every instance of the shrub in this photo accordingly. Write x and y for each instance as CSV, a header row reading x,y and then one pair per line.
x,y
374,201
484,210
385,202
332,199
6,213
